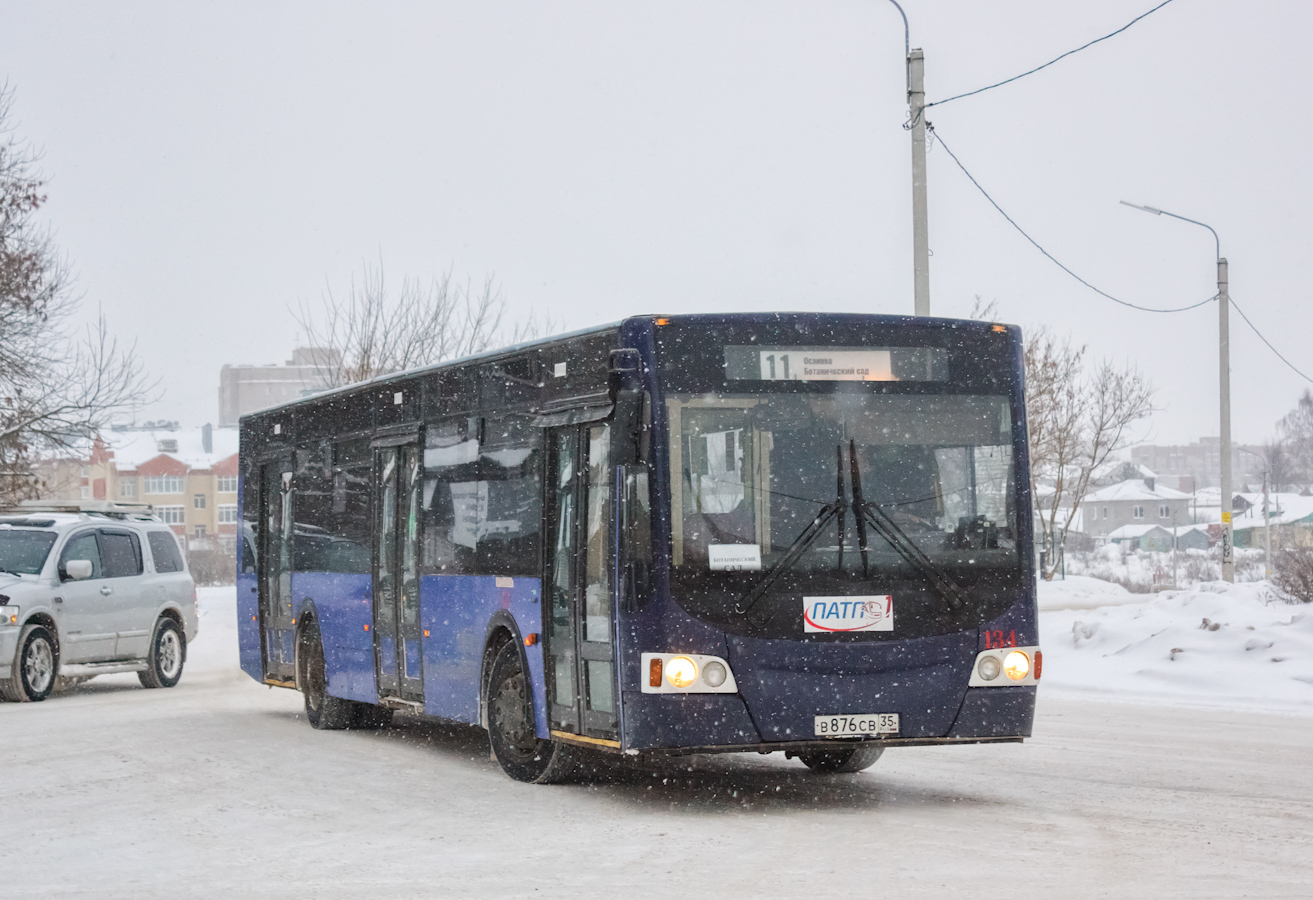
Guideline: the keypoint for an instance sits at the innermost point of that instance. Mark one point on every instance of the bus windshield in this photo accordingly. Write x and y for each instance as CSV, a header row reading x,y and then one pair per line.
x,y
751,471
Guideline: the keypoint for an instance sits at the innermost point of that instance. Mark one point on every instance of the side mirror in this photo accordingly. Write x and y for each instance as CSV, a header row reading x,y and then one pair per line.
x,y
78,569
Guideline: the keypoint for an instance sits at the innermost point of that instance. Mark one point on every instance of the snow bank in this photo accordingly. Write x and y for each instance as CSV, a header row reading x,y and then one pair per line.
x,y
1231,645
1083,592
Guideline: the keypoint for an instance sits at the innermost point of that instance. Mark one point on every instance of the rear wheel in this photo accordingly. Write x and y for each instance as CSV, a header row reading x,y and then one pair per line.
x,y
168,651
515,743
324,712
841,759
35,667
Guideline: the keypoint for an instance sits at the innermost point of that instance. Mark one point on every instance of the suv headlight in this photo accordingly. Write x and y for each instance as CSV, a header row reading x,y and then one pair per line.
x,y
8,615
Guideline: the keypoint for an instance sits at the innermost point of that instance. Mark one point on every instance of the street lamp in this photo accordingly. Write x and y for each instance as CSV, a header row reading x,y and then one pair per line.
x,y
1224,386
1267,520
920,209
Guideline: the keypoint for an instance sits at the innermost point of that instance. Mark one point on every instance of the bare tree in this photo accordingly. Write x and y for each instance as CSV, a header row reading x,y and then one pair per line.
x,y
372,331
57,386
1281,466
1296,431
1078,418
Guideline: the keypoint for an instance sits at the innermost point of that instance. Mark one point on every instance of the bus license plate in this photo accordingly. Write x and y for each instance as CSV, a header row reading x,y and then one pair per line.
x,y
856,726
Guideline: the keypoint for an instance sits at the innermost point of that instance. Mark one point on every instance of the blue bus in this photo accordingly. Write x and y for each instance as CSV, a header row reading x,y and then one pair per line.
x,y
801,533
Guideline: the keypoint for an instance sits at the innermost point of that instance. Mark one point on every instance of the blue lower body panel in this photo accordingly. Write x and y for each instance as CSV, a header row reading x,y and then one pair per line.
x,y
343,606
248,626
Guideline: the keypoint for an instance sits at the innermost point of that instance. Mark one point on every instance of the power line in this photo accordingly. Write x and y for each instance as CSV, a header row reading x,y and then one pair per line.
x,y
1052,61
1254,328
1050,256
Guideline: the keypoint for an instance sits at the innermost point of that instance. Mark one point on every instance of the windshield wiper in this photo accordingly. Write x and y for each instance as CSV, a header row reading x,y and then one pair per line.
x,y
802,543
871,514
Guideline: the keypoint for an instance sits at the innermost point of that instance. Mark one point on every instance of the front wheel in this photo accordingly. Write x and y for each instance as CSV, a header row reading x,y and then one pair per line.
x,y
841,759
168,651
515,743
36,665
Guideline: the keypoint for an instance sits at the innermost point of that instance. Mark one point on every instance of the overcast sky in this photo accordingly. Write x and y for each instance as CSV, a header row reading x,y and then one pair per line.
x,y
210,165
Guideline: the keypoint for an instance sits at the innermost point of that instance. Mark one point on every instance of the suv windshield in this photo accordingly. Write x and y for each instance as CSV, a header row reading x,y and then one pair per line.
x,y
24,552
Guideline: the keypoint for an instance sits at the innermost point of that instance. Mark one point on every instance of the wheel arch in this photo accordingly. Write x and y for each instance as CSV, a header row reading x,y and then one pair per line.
x,y
502,630
45,620
173,614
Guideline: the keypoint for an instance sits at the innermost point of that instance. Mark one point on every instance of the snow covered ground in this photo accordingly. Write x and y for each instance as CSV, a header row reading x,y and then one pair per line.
x,y
219,788
1237,646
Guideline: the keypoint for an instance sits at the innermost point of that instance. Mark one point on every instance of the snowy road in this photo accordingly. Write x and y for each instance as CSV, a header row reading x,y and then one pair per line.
x,y
218,788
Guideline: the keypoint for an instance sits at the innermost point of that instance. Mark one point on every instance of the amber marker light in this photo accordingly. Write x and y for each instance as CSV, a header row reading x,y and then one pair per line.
x,y
530,639
654,672
681,672
1016,665
1039,663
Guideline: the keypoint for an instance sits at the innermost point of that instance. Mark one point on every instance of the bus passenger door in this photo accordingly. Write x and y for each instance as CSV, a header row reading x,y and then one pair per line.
x,y
275,584
397,660
580,646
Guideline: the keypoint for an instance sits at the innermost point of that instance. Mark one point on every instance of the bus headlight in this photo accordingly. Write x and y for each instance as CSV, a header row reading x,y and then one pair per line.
x,y
1021,665
1017,665
681,672
686,673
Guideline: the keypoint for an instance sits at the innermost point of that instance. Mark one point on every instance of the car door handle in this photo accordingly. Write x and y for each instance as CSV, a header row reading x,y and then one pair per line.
x,y
107,591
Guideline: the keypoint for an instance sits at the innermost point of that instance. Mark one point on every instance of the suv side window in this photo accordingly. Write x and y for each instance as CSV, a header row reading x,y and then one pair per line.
x,y
82,546
120,554
164,549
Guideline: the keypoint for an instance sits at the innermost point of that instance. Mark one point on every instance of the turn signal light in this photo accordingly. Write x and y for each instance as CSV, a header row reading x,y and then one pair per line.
x,y
1016,665
1039,663
654,672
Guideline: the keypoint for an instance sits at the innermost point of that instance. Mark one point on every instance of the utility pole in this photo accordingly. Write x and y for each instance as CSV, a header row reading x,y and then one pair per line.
x,y
1267,531
1224,385
1224,370
920,224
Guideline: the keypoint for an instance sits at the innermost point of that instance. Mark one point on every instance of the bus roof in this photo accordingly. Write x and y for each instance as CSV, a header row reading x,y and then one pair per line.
x,y
490,355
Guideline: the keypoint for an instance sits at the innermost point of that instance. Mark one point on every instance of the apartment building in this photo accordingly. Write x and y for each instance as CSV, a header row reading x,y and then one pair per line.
x,y
188,474
244,389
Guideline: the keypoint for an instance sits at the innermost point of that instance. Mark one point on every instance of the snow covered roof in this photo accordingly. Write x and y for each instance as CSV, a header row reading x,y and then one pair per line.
x,y
1283,508
132,448
1134,489
1131,532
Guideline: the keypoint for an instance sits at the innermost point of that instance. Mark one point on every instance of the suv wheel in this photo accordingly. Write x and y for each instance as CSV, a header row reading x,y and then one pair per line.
x,y
168,651
35,667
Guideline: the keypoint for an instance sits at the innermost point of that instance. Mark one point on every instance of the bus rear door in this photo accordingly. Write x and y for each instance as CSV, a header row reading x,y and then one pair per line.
x,y
397,483
275,585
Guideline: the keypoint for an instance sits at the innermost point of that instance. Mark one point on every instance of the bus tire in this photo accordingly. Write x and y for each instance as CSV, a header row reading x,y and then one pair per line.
x,y
515,744
34,669
844,759
324,713
168,652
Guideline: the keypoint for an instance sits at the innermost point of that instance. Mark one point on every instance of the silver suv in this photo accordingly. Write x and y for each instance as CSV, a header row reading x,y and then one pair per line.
x,y
90,590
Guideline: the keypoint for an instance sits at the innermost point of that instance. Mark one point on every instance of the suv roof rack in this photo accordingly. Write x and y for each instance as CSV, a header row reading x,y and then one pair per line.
x,y
143,512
